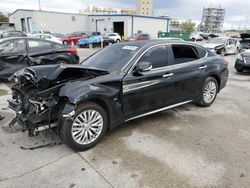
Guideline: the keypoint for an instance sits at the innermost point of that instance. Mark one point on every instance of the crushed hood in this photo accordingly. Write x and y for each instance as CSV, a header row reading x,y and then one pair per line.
x,y
46,75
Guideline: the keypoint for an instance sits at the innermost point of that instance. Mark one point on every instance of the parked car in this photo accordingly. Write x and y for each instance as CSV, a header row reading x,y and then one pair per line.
x,y
58,35
120,83
74,37
204,36
245,44
195,37
18,53
47,37
139,36
92,41
171,38
223,45
8,34
243,61
39,32
114,37
212,35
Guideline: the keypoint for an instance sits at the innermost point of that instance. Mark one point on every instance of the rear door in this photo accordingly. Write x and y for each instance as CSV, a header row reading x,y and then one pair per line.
x,y
188,66
41,51
12,57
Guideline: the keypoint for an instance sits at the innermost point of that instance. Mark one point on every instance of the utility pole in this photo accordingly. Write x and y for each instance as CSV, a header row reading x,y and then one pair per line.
x,y
39,1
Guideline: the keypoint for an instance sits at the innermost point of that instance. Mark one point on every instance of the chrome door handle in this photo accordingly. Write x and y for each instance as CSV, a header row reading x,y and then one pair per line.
x,y
167,75
203,67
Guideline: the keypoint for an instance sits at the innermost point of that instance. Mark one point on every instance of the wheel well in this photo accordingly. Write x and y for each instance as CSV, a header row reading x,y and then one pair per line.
x,y
217,78
104,106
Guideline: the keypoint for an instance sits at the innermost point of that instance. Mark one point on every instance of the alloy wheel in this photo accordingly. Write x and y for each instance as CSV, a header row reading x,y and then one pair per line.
x,y
87,127
209,92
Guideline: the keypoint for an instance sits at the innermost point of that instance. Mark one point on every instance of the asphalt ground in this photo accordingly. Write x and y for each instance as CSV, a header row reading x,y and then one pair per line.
x,y
188,146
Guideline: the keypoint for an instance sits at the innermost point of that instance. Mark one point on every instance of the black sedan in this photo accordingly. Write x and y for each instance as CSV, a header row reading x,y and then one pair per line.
x,y
18,53
120,83
243,61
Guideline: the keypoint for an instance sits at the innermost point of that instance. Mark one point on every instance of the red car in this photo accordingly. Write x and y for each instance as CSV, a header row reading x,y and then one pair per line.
x,y
72,38
139,36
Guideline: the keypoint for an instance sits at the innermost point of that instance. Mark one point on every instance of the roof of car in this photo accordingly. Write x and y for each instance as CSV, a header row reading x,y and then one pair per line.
x,y
153,42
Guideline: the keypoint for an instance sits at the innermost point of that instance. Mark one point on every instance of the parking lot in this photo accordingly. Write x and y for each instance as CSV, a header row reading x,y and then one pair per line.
x,y
188,146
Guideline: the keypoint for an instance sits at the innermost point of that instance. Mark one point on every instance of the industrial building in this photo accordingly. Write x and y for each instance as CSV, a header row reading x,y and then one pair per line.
x,y
128,24
212,20
144,7
57,22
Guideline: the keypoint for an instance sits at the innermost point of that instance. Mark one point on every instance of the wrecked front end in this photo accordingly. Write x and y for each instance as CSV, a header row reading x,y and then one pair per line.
x,y
35,96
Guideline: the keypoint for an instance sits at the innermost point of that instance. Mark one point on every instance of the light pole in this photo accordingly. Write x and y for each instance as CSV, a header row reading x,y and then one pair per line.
x,y
39,2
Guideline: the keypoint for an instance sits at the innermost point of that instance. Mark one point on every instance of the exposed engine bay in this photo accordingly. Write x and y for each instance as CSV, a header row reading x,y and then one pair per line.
x,y
35,96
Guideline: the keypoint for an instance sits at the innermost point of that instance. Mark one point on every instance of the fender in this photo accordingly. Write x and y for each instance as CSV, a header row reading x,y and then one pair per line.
x,y
107,97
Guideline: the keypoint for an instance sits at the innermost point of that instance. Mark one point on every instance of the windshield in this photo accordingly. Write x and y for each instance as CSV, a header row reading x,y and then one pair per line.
x,y
217,41
111,58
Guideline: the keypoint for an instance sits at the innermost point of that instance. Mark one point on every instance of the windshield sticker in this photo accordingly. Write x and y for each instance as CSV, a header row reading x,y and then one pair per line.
x,y
130,48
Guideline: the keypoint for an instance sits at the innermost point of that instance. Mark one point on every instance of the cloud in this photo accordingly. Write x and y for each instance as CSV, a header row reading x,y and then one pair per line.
x,y
236,10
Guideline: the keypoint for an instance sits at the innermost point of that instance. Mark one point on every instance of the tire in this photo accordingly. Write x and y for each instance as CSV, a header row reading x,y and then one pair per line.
x,y
91,45
222,52
239,70
118,41
82,111
193,39
208,92
65,42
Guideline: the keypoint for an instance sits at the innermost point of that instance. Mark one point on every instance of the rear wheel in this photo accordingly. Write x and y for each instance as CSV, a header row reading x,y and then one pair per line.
x,y
65,42
208,92
91,45
118,40
88,127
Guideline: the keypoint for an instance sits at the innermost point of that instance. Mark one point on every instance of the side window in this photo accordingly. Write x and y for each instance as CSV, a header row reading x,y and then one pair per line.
x,y
37,45
157,56
201,53
13,46
184,54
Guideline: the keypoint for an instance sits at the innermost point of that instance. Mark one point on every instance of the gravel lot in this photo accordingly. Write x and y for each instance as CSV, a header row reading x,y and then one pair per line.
x,y
184,147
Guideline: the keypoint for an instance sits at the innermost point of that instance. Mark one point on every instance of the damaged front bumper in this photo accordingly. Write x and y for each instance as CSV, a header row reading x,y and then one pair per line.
x,y
36,123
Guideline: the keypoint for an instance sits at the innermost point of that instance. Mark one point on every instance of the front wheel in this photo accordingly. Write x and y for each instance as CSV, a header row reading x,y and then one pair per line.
x,y
87,128
208,92
222,52
91,45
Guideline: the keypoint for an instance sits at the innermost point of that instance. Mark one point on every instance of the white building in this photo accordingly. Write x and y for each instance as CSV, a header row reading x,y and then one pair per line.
x,y
128,24
56,22
125,24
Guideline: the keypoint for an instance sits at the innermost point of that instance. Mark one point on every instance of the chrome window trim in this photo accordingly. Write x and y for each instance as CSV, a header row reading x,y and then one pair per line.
x,y
171,66
159,110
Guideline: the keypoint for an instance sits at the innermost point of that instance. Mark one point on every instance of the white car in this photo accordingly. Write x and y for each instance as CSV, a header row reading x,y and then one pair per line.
x,y
47,37
223,45
195,37
114,37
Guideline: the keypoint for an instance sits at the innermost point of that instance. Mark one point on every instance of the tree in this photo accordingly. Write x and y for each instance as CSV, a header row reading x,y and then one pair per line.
x,y
188,26
3,18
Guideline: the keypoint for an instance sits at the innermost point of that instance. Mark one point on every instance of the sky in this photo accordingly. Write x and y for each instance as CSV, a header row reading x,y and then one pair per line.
x,y
237,11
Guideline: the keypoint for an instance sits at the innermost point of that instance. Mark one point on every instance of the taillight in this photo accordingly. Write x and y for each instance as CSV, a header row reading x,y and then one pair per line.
x,y
72,50
226,63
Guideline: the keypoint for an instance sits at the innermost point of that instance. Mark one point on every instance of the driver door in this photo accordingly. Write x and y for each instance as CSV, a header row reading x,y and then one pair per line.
x,y
151,90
